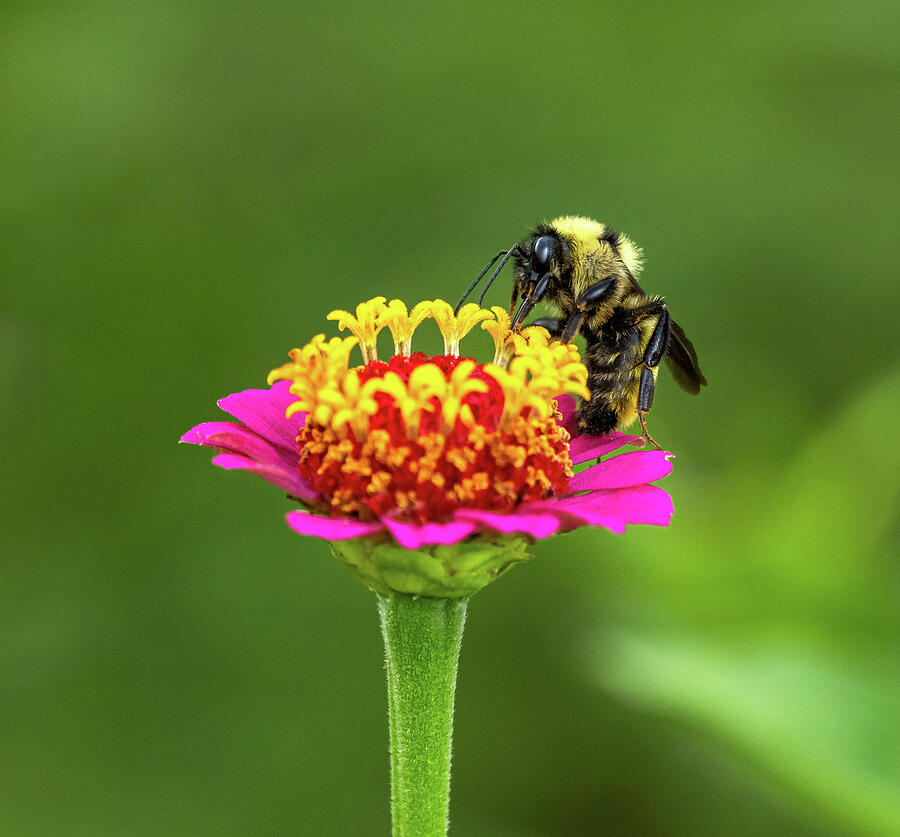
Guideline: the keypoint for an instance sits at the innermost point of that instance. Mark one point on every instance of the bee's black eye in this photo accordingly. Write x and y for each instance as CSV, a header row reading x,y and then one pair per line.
x,y
541,253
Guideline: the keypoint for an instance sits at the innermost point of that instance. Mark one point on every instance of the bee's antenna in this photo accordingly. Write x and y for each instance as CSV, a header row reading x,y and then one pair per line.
x,y
496,272
506,254
477,279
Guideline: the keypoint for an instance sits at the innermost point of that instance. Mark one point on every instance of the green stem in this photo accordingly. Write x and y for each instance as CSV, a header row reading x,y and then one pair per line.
x,y
422,637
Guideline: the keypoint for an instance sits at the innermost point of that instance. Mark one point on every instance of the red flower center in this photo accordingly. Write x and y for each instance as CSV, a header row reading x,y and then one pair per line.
x,y
475,464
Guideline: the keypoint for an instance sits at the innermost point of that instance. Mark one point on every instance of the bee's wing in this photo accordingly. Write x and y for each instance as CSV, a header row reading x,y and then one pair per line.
x,y
681,359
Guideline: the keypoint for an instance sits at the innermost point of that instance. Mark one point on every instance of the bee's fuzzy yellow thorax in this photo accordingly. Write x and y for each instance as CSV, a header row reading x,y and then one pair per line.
x,y
584,234
574,226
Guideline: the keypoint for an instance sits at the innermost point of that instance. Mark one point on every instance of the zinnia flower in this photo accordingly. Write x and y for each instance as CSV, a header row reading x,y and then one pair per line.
x,y
397,462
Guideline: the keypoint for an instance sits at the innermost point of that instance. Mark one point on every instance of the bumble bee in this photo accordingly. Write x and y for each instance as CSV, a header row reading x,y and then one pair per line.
x,y
587,273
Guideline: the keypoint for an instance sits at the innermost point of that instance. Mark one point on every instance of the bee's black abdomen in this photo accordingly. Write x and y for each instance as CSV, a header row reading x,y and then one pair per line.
x,y
596,419
611,357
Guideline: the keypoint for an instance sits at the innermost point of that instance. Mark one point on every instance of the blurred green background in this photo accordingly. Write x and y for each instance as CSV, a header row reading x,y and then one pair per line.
x,y
187,190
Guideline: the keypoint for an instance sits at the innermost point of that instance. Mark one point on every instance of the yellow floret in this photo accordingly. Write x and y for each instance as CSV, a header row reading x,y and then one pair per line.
x,y
455,326
529,367
364,326
403,323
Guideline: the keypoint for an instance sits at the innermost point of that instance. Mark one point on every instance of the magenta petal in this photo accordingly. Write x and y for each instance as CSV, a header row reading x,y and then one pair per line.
x,y
331,528
285,477
415,536
246,451
537,524
571,516
566,406
262,410
646,504
237,438
200,434
584,448
629,469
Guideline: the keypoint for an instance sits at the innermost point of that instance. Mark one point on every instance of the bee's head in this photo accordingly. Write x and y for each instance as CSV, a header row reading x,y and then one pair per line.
x,y
557,262
539,268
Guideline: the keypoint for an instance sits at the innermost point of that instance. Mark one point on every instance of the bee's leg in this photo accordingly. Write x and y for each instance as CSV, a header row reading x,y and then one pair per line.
x,y
645,435
553,325
572,325
653,354
517,291
595,295
533,297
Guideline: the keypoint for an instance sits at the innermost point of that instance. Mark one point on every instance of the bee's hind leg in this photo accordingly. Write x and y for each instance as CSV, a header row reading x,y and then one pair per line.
x,y
653,354
645,435
645,402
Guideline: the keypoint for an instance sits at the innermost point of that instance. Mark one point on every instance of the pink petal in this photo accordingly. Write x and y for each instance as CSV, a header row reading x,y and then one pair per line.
x,y
611,524
285,477
566,405
537,524
629,469
331,528
237,438
199,435
244,450
571,516
583,448
415,536
262,410
645,504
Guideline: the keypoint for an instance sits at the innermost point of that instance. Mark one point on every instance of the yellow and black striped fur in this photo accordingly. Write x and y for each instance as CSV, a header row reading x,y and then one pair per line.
x,y
587,273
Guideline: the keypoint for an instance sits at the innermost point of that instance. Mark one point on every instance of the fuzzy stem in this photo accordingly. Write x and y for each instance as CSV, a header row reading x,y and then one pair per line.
x,y
422,637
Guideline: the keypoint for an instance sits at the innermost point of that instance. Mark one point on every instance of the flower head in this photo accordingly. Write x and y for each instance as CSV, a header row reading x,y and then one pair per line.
x,y
397,462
